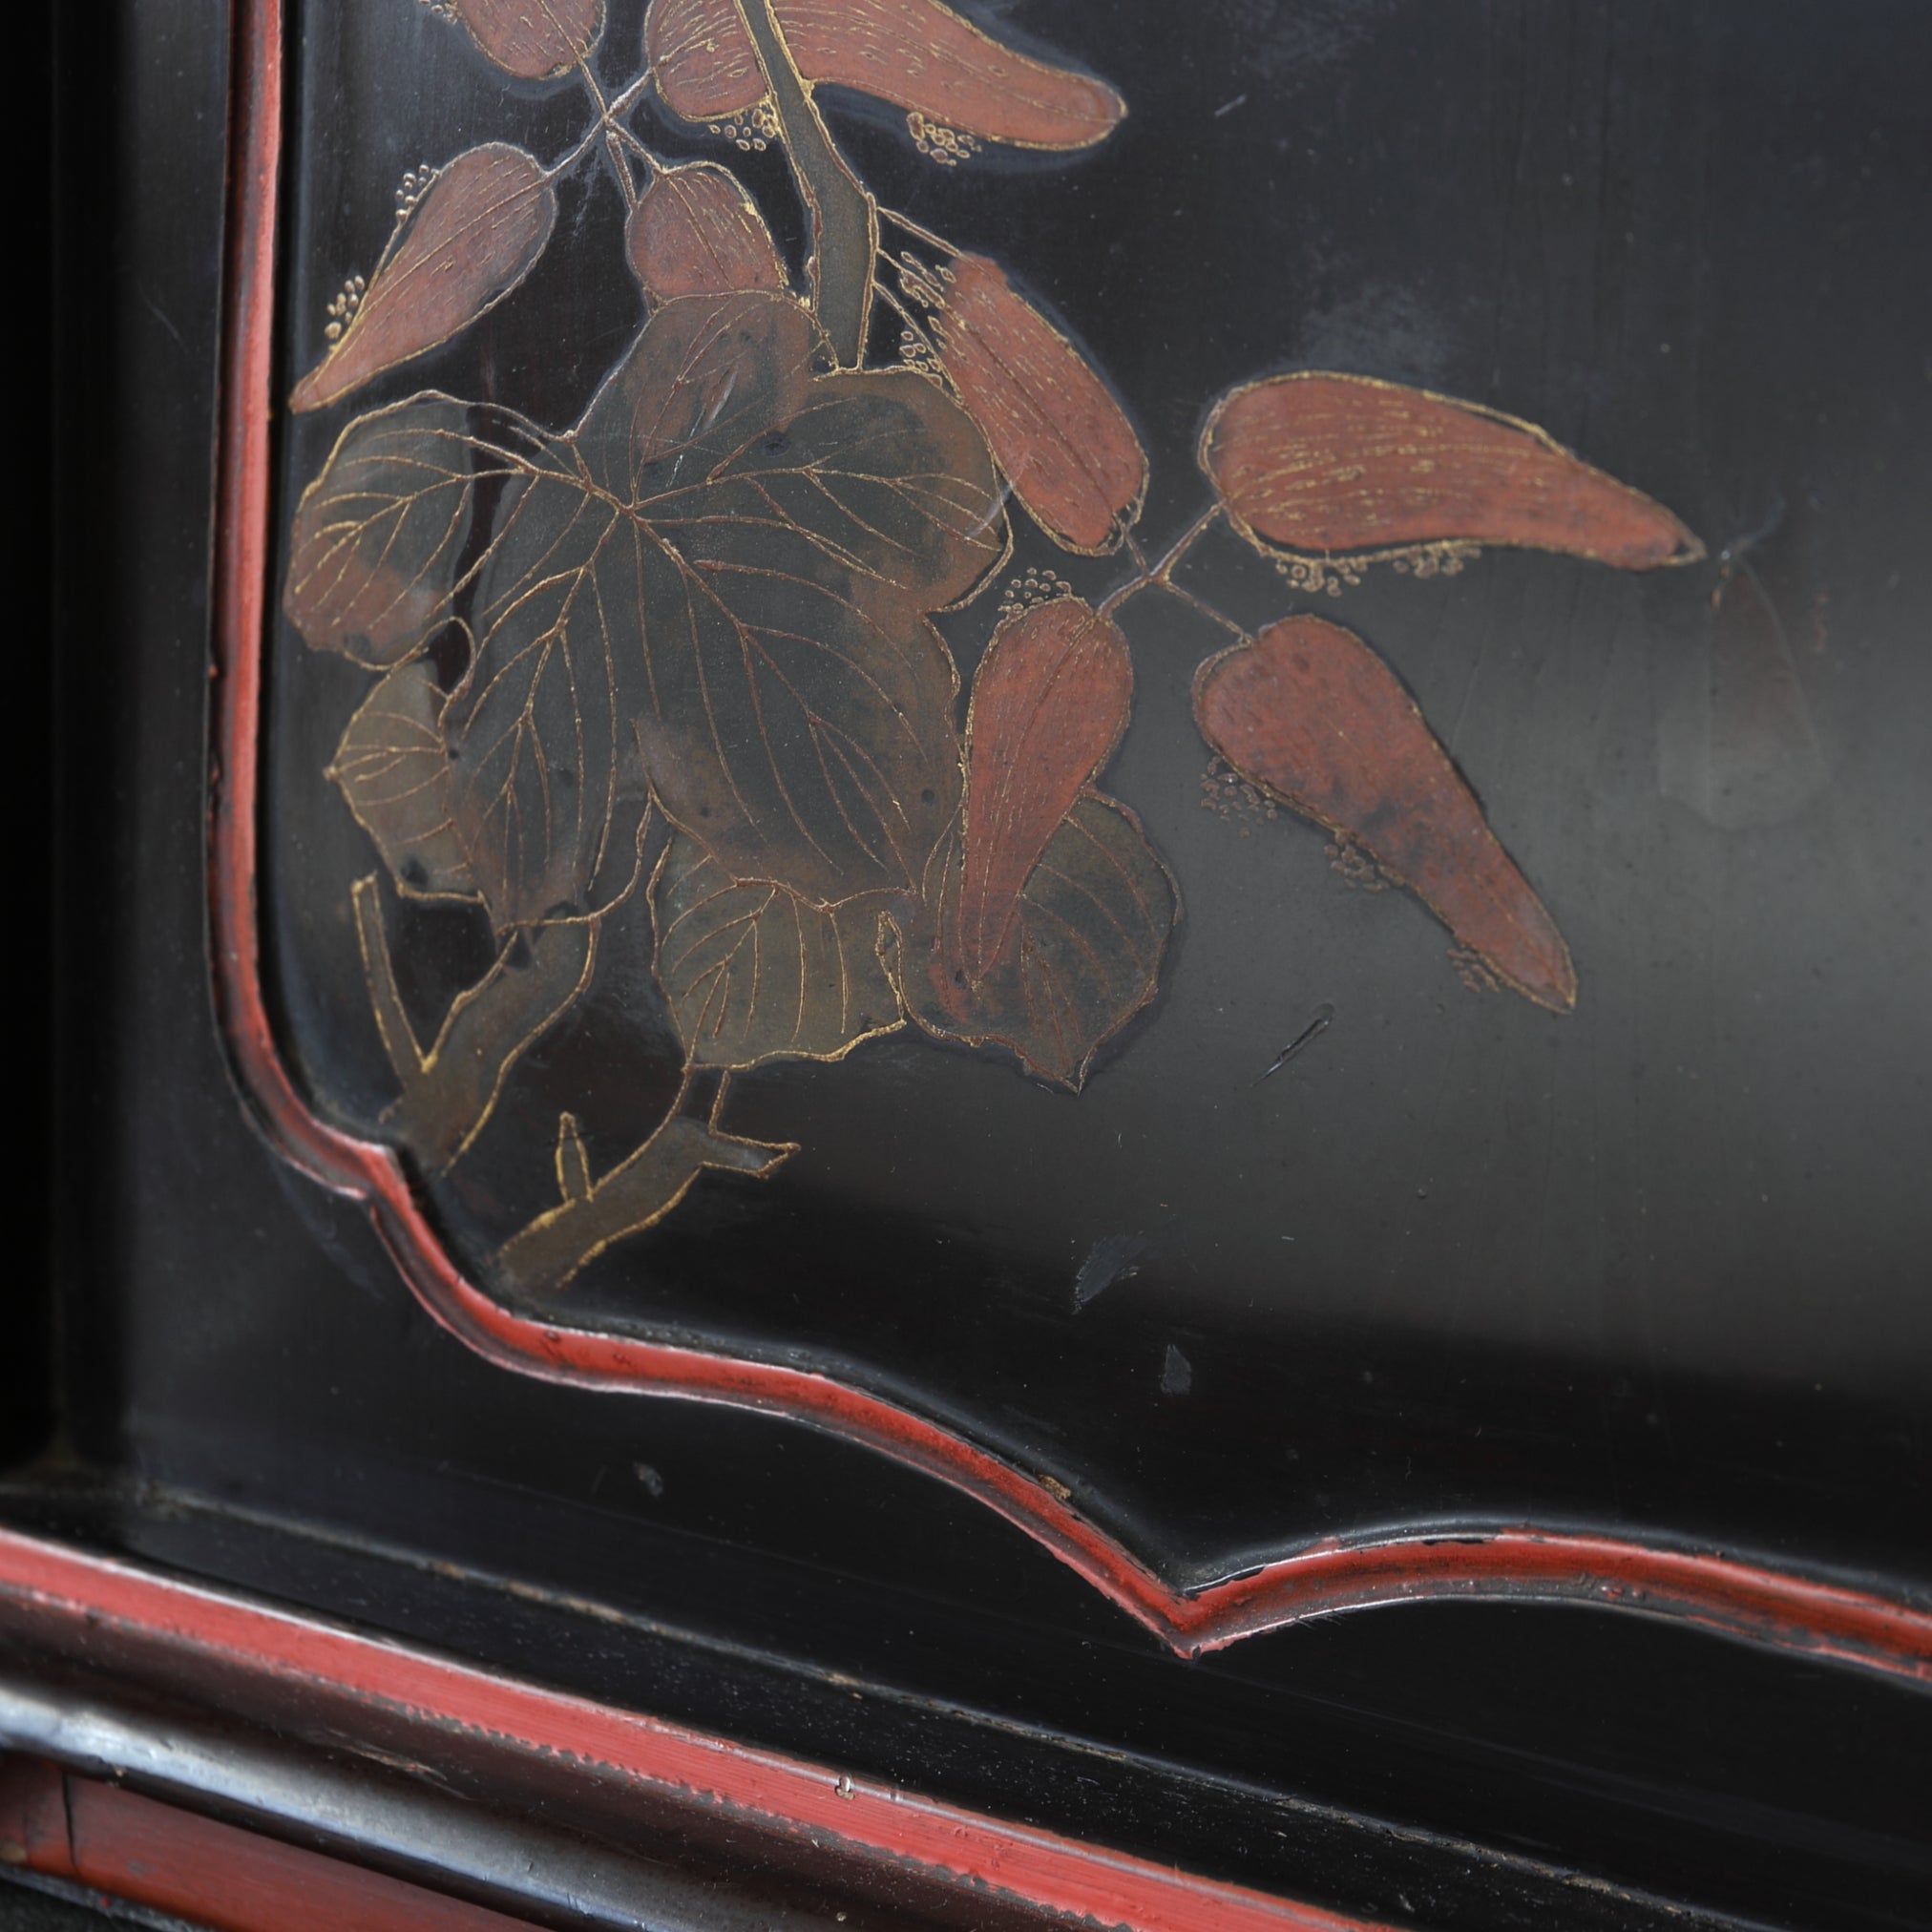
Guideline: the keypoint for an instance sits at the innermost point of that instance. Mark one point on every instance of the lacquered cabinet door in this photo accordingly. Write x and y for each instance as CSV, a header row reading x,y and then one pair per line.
x,y
941,860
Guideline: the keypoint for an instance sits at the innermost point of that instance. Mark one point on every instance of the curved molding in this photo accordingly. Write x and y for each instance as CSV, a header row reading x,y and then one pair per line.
x,y
61,1597
1511,1561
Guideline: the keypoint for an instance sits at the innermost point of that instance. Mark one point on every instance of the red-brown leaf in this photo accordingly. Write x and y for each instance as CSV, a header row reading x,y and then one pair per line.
x,y
1071,456
696,232
916,53
1324,464
1311,715
474,235
534,38
1050,701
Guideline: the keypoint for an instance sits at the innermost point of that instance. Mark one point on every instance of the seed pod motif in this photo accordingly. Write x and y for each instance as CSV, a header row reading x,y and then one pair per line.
x,y
474,234
533,39
1063,442
1310,713
916,53
1327,465
1049,703
696,232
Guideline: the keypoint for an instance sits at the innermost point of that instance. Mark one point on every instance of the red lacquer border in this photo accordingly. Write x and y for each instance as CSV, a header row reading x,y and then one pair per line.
x,y
122,1846
883,1826
1737,1598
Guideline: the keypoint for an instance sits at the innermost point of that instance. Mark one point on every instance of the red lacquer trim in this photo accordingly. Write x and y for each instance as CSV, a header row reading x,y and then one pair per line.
x,y
1739,1599
129,1847
33,1832
880,1825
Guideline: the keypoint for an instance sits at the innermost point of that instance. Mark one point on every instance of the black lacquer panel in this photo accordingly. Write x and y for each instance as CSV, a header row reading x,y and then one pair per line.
x,y
1654,1267
1462,1258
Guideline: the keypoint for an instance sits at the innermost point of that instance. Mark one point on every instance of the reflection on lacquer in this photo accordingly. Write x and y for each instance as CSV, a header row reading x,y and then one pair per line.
x,y
685,647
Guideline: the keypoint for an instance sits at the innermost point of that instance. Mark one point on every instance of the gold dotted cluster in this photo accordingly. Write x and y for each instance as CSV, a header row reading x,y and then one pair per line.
x,y
1229,797
342,310
415,185
1027,593
754,133
947,146
1355,868
1327,576
1437,559
1320,575
1473,970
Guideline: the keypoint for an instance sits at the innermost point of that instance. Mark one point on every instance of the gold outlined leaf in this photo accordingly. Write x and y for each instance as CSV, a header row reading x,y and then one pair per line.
x,y
707,376
753,973
782,537
394,770
916,53
1322,465
1056,432
695,231
1050,701
379,537
1311,715
547,786
1082,957
544,783
477,232
714,589
533,39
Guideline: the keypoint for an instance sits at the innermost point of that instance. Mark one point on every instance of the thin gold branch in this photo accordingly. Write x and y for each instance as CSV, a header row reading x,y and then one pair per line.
x,y
450,1092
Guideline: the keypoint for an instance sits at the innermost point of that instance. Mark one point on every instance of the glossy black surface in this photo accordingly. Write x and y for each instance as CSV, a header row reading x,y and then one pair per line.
x,y
25,1385
1659,1264
1717,1327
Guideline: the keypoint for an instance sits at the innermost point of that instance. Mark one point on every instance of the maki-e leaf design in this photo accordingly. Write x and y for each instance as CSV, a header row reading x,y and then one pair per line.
x,y
680,656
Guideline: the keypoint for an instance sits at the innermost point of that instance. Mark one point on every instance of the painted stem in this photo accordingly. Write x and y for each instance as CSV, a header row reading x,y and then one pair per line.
x,y
1203,608
845,219
450,1091
606,124
1162,573
614,149
638,1192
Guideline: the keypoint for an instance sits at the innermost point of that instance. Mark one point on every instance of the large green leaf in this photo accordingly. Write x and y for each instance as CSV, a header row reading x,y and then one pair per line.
x,y
752,972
